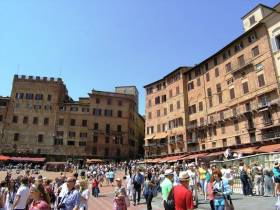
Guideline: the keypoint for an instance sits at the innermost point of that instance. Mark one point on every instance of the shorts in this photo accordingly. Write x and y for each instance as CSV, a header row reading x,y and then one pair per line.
x,y
111,180
277,179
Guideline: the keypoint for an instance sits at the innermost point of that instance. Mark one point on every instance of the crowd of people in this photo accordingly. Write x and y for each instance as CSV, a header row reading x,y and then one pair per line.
x,y
179,185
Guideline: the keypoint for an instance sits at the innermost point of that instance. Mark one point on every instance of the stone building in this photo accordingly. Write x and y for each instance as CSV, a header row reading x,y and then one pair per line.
x,y
165,115
42,119
232,97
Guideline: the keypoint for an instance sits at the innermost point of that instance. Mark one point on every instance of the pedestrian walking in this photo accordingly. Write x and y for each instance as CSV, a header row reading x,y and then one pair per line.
x,y
276,177
220,190
22,195
121,201
149,188
84,195
166,185
182,195
71,200
246,188
138,182
268,182
10,194
40,198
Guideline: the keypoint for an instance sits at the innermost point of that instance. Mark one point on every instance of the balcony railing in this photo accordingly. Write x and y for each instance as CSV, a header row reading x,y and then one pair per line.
x,y
192,141
179,139
236,68
267,122
150,145
272,135
192,126
172,141
162,144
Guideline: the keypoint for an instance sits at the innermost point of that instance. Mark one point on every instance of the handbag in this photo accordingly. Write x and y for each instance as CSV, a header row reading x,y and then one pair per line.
x,y
169,204
228,204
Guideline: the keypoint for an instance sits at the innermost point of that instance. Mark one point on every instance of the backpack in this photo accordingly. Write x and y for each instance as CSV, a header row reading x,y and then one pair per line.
x,y
169,204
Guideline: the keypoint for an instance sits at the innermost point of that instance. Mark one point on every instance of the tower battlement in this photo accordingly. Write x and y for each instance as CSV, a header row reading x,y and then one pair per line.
x,y
37,78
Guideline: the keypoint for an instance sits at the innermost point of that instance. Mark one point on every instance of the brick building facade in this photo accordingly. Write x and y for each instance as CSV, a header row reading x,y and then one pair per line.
x,y
40,118
232,97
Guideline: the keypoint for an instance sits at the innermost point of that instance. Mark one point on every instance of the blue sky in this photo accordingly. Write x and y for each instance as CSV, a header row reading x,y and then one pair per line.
x,y
101,44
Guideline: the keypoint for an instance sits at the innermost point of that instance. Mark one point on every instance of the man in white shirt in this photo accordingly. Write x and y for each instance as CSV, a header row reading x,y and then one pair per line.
x,y
22,195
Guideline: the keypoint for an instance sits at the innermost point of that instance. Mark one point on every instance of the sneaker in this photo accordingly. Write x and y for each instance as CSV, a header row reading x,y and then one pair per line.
x,y
134,204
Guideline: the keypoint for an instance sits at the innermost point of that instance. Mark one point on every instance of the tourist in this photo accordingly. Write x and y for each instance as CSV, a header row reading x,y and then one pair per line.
x,y
148,191
95,187
50,190
121,201
40,198
258,179
268,182
71,200
220,190
111,176
166,184
2,194
276,177
22,195
107,177
129,186
138,182
84,195
182,195
202,170
193,174
176,179
210,192
246,188
62,188
10,194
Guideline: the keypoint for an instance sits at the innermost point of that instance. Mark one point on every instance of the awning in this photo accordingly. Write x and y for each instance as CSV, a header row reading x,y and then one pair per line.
x,y
213,154
149,137
175,158
269,148
94,161
165,159
156,160
194,156
160,136
3,158
28,159
247,150
56,163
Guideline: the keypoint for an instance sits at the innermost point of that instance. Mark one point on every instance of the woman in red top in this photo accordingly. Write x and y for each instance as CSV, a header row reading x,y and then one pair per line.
x,y
95,188
182,195
41,200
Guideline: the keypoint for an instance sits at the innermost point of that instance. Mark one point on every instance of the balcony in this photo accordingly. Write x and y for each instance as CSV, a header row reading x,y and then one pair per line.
x,y
172,141
192,126
239,67
150,145
271,135
179,140
162,144
192,141
263,106
267,122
